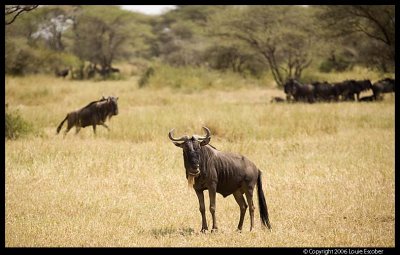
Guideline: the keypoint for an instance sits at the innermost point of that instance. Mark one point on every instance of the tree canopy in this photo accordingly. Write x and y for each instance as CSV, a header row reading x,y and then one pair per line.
x,y
249,40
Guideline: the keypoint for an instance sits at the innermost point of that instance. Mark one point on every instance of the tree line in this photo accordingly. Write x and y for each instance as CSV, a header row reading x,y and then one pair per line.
x,y
250,40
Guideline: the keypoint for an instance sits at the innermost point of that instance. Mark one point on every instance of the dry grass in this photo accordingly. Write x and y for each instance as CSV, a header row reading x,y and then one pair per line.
x,y
328,169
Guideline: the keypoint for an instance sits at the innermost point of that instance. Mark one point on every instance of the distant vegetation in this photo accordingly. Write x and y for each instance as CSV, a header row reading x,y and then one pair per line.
x,y
278,42
16,126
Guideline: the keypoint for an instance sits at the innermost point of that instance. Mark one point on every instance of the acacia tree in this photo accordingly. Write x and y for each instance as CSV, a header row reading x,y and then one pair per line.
x,y
276,33
13,11
372,26
52,23
101,35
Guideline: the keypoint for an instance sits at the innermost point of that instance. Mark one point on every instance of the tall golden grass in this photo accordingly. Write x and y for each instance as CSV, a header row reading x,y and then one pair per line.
x,y
328,168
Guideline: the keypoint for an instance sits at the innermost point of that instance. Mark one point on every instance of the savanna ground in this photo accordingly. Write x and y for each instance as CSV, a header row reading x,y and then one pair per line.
x,y
328,168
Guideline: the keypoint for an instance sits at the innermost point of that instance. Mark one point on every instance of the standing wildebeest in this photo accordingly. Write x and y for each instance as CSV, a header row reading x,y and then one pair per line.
x,y
299,91
92,114
63,73
346,89
383,86
323,91
222,172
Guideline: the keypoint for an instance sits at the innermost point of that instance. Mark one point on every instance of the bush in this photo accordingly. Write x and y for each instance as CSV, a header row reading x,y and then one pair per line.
x,y
16,126
145,77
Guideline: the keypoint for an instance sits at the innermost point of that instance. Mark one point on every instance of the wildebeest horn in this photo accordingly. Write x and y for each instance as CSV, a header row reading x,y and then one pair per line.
x,y
183,138
207,135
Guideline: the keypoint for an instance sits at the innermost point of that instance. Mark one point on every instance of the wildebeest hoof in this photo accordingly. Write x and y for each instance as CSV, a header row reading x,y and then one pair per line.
x,y
204,230
214,230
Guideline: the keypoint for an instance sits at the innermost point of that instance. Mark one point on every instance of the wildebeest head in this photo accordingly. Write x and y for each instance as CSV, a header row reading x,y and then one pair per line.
x,y
112,103
288,87
191,149
292,86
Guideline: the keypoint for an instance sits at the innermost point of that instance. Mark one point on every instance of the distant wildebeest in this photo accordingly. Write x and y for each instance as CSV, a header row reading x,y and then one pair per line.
x,y
300,92
386,85
114,70
277,100
348,88
323,91
95,113
222,172
63,73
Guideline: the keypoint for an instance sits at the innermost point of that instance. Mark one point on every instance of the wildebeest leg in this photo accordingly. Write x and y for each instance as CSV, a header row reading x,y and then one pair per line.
x,y
94,129
69,126
104,125
212,191
66,131
249,197
200,196
77,129
243,206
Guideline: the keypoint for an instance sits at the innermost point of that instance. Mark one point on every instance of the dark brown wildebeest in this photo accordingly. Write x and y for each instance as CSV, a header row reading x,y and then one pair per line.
x,y
114,70
222,172
323,91
383,86
300,92
95,113
348,88
63,73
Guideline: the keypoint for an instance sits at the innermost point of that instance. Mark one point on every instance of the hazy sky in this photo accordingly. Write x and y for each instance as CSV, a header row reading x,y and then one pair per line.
x,y
148,9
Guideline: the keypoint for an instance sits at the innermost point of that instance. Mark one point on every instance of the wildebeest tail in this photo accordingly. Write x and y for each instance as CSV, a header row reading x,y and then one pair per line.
x,y
262,204
60,126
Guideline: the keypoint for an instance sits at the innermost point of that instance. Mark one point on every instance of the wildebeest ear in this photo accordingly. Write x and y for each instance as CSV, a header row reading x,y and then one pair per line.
x,y
205,141
179,144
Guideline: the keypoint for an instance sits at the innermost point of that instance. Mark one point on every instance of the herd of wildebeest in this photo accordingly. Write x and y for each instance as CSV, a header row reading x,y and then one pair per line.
x,y
223,172
347,90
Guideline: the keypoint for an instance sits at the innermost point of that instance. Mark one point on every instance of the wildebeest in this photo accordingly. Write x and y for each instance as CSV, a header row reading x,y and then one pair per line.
x,y
222,172
298,91
63,73
114,70
95,113
348,88
386,85
323,91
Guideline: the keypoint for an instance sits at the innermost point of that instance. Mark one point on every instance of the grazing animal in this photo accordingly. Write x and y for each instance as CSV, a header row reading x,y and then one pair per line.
x,y
222,172
348,88
360,85
323,91
300,92
92,114
63,73
114,70
383,86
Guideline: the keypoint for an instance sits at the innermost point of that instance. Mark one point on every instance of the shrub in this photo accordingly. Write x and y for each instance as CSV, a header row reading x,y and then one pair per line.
x,y
16,126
